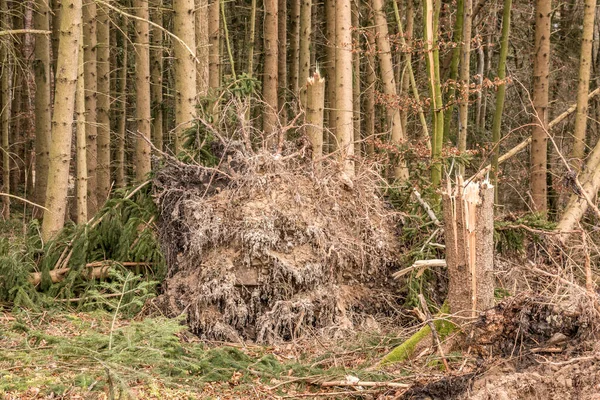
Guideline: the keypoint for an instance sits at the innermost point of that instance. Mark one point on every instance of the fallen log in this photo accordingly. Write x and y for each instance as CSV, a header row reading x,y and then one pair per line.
x,y
94,270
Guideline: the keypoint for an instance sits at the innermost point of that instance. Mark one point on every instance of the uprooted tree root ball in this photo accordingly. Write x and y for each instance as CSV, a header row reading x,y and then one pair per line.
x,y
266,247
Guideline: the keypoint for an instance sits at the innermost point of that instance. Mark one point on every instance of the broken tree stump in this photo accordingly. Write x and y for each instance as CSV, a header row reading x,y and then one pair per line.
x,y
469,233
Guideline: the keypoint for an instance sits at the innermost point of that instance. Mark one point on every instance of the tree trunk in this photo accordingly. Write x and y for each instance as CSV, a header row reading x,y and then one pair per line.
x,y
469,238
252,39
431,12
142,90
282,66
457,38
5,58
370,75
465,67
539,140
294,83
43,114
410,17
202,47
185,70
156,69
62,120
121,122
80,165
389,87
584,82
104,181
214,52
270,72
314,114
90,45
344,129
356,87
330,53
500,94
304,56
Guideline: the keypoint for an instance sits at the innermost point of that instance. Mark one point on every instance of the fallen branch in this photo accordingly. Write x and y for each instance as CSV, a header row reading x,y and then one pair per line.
x,y
518,148
418,265
426,207
365,384
94,270
429,321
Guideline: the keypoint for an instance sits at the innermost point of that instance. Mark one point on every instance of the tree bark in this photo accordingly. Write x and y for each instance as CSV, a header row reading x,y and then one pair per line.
x,y
90,45
464,75
270,73
370,76
431,11
389,87
315,95
214,52
185,69
539,140
121,122
5,58
142,90
330,52
43,114
81,143
304,56
62,120
500,94
294,73
343,85
584,82
356,87
282,66
457,38
202,47
103,181
156,69
469,237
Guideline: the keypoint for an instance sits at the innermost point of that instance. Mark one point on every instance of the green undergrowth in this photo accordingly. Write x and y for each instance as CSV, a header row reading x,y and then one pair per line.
x,y
122,232
53,350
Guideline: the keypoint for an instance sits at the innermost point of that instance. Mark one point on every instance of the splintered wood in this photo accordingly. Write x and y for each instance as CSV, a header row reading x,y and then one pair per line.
x,y
469,233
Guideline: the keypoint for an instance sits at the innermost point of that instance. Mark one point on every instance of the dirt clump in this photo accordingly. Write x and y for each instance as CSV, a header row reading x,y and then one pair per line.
x,y
267,247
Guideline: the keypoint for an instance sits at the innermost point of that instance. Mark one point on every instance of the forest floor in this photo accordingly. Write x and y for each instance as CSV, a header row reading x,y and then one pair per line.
x,y
93,355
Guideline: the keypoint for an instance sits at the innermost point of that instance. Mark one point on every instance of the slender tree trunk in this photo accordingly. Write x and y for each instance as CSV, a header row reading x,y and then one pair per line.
x,y
370,75
457,37
5,57
305,31
81,142
156,69
465,67
330,82
431,11
480,72
314,114
294,83
539,140
343,83
56,11
411,76
185,70
252,39
282,66
389,86
214,52
142,89
90,44
500,94
584,81
62,119
270,71
407,54
356,87
43,113
122,108
104,181
202,46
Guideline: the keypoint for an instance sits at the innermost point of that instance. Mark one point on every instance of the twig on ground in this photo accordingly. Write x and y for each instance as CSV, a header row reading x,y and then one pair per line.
x,y
434,333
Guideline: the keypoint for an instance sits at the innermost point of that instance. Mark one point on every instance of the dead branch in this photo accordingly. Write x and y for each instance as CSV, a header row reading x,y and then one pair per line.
x,y
420,264
365,384
521,146
434,333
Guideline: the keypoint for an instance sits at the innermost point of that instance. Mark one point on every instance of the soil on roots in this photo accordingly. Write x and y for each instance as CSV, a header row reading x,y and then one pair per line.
x,y
266,247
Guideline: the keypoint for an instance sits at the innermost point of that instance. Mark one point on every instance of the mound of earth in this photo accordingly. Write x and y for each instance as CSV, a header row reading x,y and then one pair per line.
x,y
266,247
